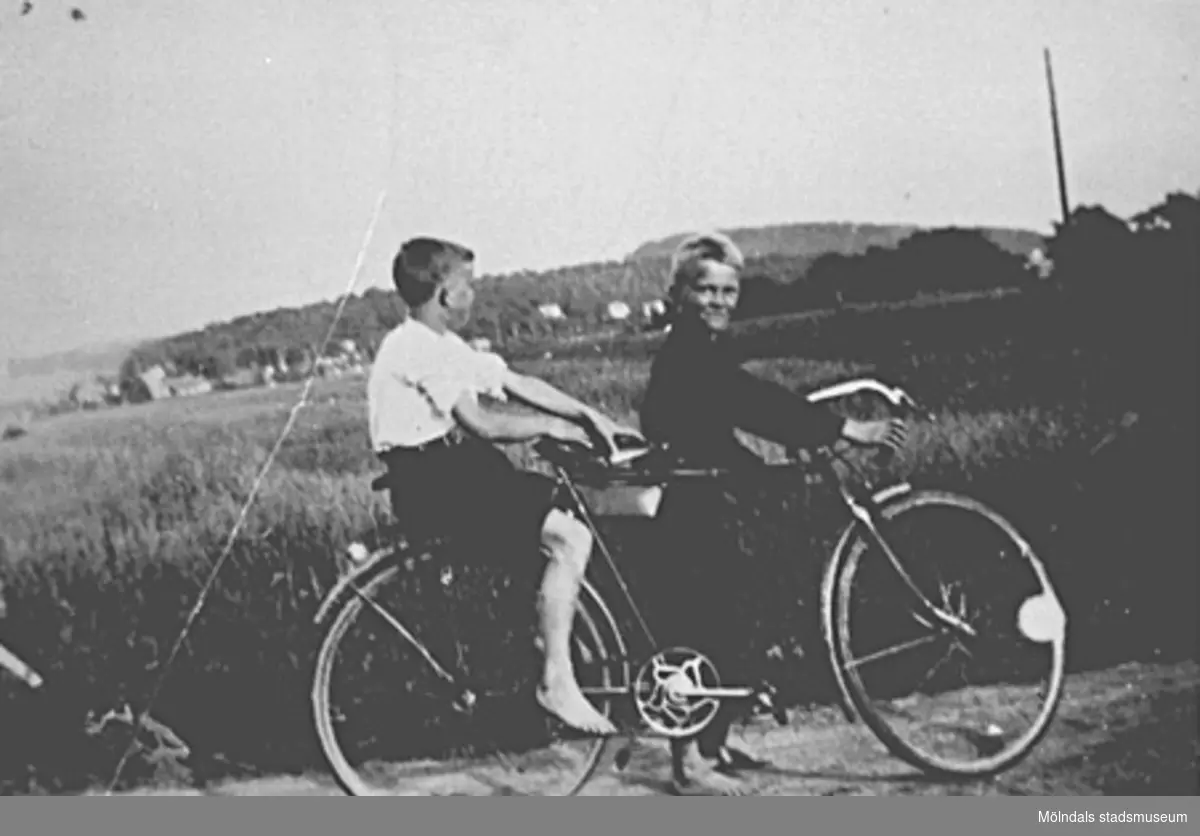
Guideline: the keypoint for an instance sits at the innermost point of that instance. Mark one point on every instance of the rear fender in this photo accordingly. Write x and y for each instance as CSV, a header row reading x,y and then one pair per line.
x,y
358,574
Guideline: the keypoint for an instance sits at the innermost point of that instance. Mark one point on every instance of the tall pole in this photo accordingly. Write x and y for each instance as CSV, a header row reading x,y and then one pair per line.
x,y
1064,204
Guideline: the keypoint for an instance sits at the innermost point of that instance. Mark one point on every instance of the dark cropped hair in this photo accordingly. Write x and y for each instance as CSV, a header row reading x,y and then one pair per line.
x,y
422,264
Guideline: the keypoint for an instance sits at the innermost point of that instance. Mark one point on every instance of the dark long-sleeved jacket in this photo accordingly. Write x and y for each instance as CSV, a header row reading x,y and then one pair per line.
x,y
699,393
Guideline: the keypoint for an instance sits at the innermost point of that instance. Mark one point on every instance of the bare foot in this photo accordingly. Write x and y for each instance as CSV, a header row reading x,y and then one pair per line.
x,y
567,703
713,784
732,762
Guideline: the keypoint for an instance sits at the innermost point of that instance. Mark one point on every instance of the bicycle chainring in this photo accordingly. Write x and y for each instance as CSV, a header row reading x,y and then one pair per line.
x,y
664,692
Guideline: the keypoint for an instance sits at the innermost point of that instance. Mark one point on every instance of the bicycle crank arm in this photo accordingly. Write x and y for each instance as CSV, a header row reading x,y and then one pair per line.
x,y
714,693
605,690
765,698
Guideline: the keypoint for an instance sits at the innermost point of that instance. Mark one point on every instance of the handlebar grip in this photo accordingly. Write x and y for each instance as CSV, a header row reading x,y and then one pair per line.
x,y
625,441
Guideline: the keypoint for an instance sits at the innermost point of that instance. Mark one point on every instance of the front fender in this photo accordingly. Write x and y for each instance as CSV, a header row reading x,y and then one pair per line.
x,y
829,581
359,572
832,564
885,495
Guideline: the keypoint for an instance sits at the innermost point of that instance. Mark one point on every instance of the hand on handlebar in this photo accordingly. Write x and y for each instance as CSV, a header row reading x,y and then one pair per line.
x,y
615,437
891,433
601,434
569,433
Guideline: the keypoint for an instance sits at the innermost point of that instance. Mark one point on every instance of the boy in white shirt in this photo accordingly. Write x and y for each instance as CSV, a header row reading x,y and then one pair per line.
x,y
445,475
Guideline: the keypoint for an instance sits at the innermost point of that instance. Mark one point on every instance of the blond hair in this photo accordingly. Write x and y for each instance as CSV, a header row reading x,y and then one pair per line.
x,y
688,260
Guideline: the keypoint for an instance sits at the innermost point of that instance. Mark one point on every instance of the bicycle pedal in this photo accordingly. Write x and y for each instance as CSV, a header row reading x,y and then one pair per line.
x,y
767,704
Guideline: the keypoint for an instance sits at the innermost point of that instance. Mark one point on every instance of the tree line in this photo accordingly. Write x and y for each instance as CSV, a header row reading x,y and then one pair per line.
x,y
1098,260
507,309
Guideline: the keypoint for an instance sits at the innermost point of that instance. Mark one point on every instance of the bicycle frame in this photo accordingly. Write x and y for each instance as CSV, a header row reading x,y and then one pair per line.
x,y
861,507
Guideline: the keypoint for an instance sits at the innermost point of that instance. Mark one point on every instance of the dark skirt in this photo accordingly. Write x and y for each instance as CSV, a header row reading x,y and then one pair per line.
x,y
472,495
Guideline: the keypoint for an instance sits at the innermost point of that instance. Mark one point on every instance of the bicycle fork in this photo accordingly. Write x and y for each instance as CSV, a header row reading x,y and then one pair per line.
x,y
949,621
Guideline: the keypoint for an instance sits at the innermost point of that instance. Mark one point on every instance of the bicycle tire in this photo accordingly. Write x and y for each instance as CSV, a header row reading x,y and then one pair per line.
x,y
344,773
842,569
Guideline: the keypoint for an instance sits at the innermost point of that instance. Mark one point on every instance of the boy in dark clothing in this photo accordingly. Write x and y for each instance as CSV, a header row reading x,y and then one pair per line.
x,y
697,396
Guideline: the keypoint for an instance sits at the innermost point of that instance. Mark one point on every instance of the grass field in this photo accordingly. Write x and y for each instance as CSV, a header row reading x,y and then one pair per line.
x,y
110,521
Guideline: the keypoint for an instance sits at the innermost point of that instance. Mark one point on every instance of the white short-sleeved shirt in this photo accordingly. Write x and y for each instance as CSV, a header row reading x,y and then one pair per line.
x,y
417,378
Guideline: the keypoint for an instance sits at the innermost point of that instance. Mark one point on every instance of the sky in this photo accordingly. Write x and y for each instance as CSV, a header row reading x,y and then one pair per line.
x,y
166,164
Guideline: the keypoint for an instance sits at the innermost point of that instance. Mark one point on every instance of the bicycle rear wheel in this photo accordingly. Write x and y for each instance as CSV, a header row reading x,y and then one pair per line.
x,y
390,724
956,662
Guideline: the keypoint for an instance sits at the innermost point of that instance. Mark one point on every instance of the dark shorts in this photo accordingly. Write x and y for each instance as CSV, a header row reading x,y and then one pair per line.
x,y
470,494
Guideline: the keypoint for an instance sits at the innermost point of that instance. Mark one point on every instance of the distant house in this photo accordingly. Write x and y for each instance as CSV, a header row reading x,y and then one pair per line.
x,y
654,314
617,311
1039,264
651,310
1147,221
90,394
186,385
154,379
551,311
339,365
242,378
481,344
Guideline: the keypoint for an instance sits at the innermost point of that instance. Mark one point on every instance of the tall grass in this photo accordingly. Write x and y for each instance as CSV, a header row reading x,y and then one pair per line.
x,y
110,522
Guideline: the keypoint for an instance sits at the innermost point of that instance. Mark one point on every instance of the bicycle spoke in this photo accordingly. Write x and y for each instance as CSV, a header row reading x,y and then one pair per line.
x,y
981,702
389,726
891,651
403,631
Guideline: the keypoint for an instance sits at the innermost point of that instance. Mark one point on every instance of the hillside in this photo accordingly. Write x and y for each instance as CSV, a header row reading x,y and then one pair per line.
x,y
90,359
808,267
25,381
810,240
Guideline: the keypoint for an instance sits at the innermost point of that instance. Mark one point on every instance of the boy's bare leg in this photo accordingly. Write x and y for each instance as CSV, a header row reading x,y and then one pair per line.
x,y
569,544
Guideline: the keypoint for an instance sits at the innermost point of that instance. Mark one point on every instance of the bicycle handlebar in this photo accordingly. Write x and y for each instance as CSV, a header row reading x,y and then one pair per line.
x,y
894,394
630,448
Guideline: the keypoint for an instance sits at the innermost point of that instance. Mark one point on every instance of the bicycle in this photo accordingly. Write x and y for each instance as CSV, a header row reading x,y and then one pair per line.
x,y
676,691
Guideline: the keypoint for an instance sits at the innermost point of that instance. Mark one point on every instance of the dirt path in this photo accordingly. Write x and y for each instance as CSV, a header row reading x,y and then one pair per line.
x,y
1126,730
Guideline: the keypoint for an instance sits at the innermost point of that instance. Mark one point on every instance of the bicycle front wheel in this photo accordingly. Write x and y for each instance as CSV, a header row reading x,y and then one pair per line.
x,y
390,722
950,637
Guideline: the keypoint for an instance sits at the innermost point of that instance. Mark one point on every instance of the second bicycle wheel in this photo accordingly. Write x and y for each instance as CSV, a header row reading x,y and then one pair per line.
x,y
957,661
390,724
